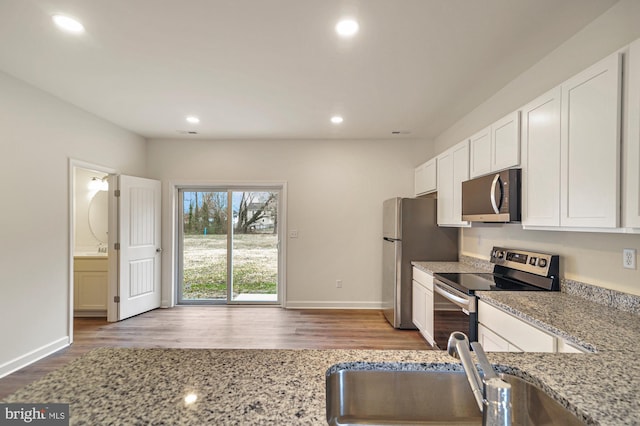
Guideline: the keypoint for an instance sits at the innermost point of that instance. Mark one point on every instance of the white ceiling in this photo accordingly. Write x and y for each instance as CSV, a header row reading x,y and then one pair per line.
x,y
275,68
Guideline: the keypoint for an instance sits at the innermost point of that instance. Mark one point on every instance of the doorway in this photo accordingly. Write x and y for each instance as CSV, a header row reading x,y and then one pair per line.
x,y
229,249
89,263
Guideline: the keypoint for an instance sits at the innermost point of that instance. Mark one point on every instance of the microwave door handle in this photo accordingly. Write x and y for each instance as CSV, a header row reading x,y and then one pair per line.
x,y
496,206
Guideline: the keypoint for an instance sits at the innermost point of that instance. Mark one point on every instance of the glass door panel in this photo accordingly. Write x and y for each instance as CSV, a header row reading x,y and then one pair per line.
x,y
228,261
254,248
204,247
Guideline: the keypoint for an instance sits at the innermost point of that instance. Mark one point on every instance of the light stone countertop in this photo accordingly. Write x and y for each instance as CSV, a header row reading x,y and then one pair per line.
x,y
442,267
255,387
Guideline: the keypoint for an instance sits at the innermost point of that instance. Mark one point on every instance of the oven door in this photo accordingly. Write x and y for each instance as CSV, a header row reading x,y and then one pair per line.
x,y
453,311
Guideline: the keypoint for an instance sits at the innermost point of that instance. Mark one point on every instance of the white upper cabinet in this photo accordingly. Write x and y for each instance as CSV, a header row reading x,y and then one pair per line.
x,y
426,178
480,153
453,169
541,160
590,146
631,146
505,142
497,147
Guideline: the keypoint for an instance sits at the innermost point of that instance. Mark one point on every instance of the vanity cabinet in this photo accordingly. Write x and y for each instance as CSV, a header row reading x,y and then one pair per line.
x,y
425,180
452,170
90,286
422,303
497,147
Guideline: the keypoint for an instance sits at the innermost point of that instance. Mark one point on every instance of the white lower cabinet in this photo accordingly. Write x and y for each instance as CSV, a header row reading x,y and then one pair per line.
x,y
491,342
510,334
90,286
422,303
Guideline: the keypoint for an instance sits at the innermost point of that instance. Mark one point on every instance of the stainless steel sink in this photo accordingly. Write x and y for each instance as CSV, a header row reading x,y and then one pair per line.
x,y
382,397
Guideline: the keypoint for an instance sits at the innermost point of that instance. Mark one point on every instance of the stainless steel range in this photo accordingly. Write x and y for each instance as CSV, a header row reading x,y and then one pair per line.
x,y
455,306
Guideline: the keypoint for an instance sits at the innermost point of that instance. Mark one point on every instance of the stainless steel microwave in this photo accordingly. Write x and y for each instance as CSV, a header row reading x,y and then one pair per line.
x,y
492,198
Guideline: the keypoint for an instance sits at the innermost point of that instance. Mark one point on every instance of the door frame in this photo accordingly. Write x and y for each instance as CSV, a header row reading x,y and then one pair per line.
x,y
170,216
72,165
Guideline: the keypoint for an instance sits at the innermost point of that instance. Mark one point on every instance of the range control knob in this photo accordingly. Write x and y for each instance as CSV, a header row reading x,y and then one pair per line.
x,y
500,254
532,261
542,263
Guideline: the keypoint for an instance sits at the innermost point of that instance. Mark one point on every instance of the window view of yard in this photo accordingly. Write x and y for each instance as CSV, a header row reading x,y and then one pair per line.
x,y
254,254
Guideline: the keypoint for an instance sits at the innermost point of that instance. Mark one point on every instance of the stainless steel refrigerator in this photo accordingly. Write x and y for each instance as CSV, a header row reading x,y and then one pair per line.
x,y
410,233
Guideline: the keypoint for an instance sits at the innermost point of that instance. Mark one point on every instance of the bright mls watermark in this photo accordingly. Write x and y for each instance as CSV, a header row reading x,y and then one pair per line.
x,y
34,414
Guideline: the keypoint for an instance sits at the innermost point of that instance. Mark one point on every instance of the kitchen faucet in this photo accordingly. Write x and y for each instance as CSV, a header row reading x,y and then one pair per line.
x,y
492,394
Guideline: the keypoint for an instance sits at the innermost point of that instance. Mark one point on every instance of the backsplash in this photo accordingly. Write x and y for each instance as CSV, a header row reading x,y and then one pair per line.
x,y
604,296
478,263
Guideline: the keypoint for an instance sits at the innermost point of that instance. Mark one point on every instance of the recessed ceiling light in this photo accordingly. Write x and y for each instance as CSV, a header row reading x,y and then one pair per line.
x,y
347,28
336,119
68,24
193,119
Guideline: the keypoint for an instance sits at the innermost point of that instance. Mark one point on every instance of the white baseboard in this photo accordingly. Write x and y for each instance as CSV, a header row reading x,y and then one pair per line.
x,y
33,356
310,304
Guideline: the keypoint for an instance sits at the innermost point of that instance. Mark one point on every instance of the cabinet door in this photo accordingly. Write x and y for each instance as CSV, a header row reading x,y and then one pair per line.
x,y
428,321
505,142
91,290
631,148
541,160
515,331
425,178
480,153
590,146
453,169
445,188
491,342
460,174
419,305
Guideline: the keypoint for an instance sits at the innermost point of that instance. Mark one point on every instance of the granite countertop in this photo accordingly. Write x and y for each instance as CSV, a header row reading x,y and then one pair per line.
x,y
253,387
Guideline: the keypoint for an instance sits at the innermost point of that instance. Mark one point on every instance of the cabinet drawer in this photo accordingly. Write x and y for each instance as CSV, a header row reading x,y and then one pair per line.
x,y
514,330
423,278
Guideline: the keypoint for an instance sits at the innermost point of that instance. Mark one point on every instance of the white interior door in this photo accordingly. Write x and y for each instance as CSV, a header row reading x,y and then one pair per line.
x,y
139,226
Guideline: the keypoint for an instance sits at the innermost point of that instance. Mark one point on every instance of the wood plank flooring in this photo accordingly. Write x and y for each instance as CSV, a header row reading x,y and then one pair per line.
x,y
227,327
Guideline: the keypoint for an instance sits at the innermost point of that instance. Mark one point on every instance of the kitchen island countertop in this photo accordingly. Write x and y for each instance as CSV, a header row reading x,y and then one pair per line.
x,y
252,387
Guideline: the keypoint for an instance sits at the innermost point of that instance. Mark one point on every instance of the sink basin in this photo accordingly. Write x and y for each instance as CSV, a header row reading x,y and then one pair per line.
x,y
383,397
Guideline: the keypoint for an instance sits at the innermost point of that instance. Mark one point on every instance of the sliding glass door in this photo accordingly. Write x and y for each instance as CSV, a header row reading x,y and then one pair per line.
x,y
228,245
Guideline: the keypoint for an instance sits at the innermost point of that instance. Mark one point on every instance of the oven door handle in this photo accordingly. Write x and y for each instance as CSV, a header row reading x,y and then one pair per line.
x,y
460,301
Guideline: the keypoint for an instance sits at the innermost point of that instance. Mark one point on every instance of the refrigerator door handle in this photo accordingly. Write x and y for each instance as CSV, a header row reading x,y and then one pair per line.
x,y
391,240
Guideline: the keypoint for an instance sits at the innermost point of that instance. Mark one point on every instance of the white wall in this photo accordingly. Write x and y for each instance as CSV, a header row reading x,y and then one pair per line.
x,y
335,194
589,257
38,135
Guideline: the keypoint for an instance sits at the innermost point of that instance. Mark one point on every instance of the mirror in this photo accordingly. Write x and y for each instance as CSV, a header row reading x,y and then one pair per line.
x,y
99,215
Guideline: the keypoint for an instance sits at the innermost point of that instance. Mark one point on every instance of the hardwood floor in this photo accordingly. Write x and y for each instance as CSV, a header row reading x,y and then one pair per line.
x,y
227,327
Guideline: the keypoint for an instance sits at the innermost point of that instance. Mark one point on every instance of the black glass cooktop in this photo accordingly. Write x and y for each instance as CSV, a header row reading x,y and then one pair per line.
x,y
469,283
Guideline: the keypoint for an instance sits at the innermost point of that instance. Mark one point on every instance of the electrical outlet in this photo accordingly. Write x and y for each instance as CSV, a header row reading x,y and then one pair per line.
x,y
629,258
338,283
293,233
